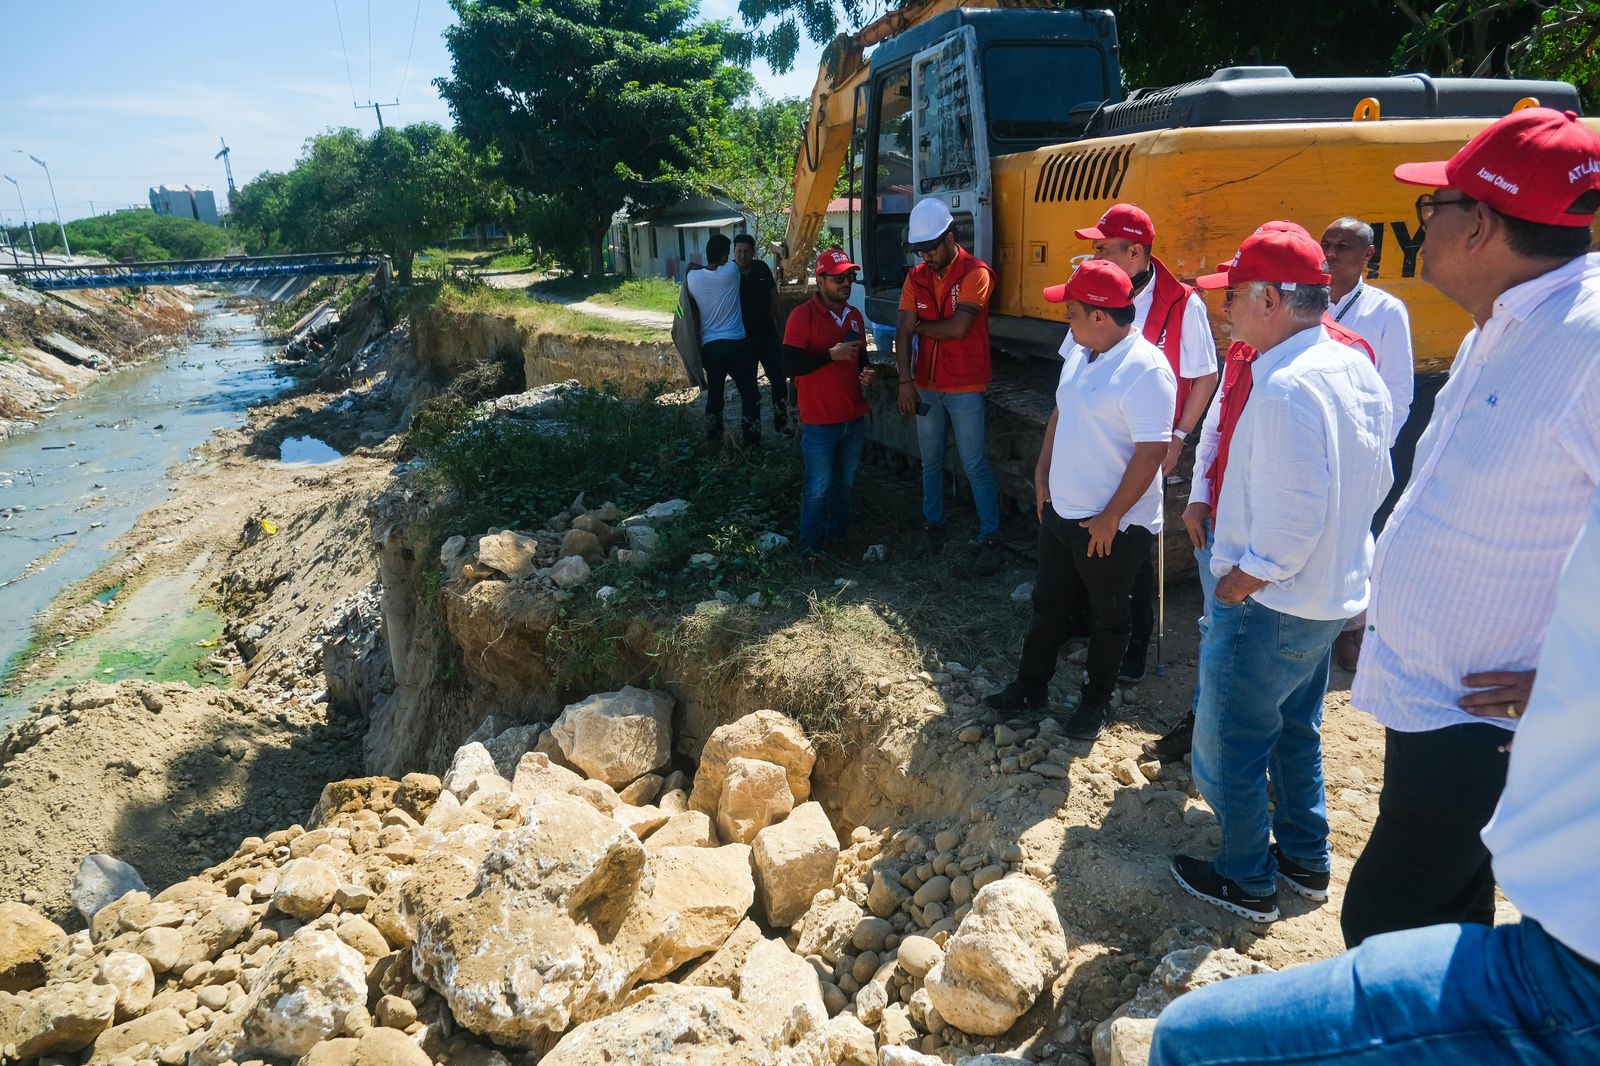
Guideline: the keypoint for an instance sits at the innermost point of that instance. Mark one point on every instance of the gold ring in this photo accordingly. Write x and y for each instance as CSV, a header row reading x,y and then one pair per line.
x,y
1511,710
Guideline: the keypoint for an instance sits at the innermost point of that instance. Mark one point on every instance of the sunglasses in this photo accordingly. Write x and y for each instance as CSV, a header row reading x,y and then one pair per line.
x,y
928,246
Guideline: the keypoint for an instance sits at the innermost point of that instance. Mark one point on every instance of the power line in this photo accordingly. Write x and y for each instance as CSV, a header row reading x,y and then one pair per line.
x,y
414,17
345,49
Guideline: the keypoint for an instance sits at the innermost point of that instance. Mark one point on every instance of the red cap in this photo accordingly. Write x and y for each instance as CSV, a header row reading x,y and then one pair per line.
x,y
1279,225
1123,222
1283,257
834,261
1531,165
1096,283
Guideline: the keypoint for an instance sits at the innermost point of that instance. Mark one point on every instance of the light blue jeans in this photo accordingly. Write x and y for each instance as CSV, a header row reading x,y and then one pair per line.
x,y
1208,588
1263,676
1447,995
831,453
965,411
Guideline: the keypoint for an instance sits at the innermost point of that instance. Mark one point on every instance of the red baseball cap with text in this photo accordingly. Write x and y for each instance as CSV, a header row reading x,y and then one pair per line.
x,y
1096,283
1126,222
833,261
1531,165
1286,257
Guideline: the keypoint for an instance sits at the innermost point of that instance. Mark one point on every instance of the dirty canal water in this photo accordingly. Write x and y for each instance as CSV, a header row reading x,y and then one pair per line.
x,y
76,482
307,451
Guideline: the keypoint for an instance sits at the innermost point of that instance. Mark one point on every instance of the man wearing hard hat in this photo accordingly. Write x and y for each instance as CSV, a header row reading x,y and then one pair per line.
x,y
942,349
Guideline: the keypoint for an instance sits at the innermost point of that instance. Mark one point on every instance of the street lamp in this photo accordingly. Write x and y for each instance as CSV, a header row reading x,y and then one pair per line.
x,y
62,226
31,246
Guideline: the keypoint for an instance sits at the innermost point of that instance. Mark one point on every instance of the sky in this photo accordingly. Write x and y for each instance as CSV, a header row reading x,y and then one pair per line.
x,y
117,97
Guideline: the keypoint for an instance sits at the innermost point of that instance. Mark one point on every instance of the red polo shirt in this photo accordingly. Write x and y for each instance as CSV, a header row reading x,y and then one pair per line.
x,y
831,393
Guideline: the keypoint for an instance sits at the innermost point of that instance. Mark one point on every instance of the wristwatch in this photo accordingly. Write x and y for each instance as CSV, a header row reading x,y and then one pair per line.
x,y
1187,438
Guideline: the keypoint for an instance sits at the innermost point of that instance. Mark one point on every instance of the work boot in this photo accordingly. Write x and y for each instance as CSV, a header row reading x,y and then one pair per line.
x,y
991,554
1017,697
1089,721
933,539
1133,665
1176,744
1347,650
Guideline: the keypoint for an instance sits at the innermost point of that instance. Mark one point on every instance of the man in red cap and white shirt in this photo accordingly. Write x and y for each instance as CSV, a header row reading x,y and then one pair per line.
x,y
824,350
1465,574
1308,465
1097,492
1172,316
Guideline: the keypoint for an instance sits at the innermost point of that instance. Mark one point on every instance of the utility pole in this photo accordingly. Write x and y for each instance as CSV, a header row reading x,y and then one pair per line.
x,y
33,248
10,241
62,226
378,108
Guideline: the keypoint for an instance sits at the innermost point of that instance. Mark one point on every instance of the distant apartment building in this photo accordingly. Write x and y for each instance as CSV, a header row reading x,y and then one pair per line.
x,y
186,201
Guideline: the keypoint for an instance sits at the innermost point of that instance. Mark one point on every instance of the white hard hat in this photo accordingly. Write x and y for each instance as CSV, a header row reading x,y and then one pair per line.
x,y
930,220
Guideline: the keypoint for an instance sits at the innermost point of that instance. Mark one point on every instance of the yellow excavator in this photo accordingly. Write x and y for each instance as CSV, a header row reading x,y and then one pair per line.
x,y
1016,117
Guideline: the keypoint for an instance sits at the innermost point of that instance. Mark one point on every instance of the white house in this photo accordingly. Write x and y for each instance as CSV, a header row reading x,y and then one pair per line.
x,y
661,241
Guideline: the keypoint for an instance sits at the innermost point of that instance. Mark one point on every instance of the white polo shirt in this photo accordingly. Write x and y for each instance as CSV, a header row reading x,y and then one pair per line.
x,y
1308,465
1124,397
1197,348
1545,835
1464,580
1383,322
716,294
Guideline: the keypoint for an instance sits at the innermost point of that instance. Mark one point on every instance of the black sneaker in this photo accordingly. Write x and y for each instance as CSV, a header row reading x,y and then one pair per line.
x,y
1088,722
1201,880
1133,666
1312,884
991,555
1176,744
933,538
1015,697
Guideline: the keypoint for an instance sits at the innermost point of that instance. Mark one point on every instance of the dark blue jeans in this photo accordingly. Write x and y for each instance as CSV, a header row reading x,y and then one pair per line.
x,y
1446,995
831,453
1263,677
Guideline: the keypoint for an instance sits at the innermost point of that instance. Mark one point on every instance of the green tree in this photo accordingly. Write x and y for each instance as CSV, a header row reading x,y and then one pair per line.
x,y
752,160
594,103
142,234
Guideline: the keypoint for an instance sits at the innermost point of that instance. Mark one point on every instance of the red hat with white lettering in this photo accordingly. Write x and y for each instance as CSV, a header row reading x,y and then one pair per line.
x,y
1284,257
1531,165
1096,283
834,261
1126,222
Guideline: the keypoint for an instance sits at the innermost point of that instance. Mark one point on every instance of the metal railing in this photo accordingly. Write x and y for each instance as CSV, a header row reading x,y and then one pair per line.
x,y
190,271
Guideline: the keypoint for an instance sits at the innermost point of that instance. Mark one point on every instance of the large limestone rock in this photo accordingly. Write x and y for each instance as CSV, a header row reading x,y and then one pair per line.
x,y
471,762
1006,951
311,982
843,1041
721,970
828,927
526,952
794,860
59,1017
710,890
755,794
617,736
765,735
305,888
28,940
1120,1037
668,1025
157,1030
132,978
508,552
782,993
102,880
509,746
538,780
1127,1041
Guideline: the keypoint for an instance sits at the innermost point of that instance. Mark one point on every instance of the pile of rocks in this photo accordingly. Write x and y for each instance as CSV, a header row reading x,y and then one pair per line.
x,y
562,555
560,896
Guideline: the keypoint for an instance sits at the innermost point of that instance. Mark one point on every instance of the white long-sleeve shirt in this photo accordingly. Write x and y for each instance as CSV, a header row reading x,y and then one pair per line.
x,y
1383,322
1464,580
1545,834
1308,466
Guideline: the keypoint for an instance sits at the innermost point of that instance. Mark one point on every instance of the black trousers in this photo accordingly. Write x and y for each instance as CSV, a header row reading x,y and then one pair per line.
x,y
1071,585
1425,863
769,353
722,360
1143,607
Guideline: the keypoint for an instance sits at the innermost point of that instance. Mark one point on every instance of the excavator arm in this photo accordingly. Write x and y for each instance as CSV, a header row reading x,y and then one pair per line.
x,y
827,133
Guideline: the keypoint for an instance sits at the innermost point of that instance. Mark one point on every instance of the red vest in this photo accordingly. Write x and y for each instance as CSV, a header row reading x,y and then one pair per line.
x,y
832,393
950,364
1163,327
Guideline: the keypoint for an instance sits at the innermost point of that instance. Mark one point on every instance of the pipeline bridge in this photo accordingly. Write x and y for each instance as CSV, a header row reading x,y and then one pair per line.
x,y
191,271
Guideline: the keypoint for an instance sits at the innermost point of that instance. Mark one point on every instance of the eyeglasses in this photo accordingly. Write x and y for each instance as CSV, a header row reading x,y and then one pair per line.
x,y
1428,203
846,278
1228,296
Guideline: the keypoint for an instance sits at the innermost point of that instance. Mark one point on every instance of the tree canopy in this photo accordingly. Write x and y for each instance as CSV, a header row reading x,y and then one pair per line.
x,y
137,233
395,191
595,104
752,160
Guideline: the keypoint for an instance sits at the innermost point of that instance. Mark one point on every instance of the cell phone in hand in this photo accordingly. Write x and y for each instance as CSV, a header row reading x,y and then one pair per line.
x,y
851,337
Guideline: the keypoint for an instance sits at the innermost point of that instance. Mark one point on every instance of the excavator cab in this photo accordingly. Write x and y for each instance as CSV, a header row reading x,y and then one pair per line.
x,y
947,97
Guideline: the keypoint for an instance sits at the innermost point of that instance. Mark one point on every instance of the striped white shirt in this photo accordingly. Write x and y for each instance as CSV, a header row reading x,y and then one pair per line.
x,y
1383,322
1464,580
